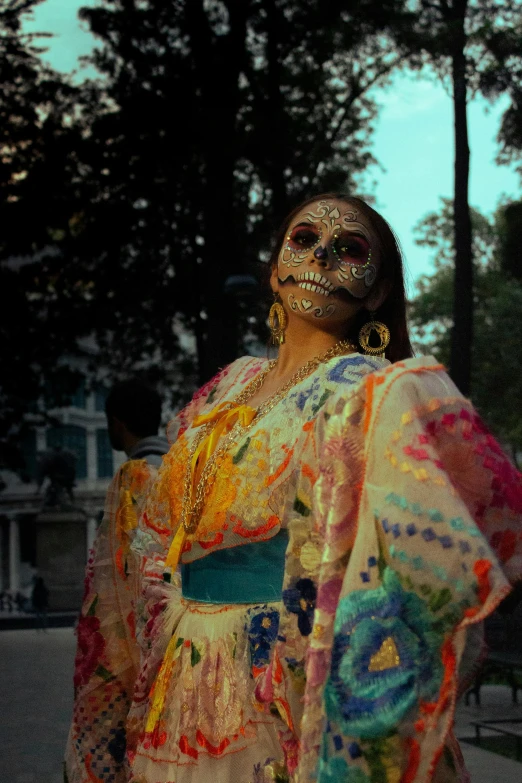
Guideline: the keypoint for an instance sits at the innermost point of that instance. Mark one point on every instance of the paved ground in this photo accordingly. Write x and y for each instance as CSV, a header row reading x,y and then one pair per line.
x,y
487,767
36,687
36,696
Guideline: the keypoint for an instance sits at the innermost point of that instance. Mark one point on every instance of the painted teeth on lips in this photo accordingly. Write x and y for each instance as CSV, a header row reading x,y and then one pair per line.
x,y
313,281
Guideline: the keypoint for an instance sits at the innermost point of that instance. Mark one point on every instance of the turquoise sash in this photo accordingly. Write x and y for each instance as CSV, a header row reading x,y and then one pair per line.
x,y
247,574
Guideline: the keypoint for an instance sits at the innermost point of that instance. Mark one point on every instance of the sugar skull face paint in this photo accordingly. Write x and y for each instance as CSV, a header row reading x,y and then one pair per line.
x,y
328,248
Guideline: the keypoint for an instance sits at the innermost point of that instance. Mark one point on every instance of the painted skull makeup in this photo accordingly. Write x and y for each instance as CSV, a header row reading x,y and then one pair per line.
x,y
330,233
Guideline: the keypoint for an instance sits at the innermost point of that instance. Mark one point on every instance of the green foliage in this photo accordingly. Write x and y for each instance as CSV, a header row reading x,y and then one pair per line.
x,y
37,139
211,121
502,75
496,379
127,202
471,45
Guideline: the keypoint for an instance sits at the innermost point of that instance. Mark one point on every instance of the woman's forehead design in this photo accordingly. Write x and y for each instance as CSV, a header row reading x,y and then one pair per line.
x,y
329,215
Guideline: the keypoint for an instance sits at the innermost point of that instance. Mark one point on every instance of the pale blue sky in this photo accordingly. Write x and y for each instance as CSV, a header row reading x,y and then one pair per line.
x,y
413,140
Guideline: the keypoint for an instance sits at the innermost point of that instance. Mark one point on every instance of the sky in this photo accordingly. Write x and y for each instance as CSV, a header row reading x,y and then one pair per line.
x,y
413,139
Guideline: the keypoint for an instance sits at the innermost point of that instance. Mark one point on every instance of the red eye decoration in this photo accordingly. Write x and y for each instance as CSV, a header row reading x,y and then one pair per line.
x,y
303,238
351,249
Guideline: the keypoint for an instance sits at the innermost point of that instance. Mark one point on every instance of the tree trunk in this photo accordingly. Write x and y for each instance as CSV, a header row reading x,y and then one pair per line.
x,y
275,111
217,60
462,333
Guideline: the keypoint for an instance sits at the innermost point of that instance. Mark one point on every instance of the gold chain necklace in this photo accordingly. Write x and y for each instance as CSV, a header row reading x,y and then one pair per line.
x,y
191,510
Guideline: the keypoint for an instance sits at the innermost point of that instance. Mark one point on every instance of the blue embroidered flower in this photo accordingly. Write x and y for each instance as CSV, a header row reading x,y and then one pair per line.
x,y
300,600
345,370
385,657
262,633
304,395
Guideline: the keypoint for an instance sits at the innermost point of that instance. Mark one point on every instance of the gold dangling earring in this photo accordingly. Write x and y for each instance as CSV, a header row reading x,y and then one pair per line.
x,y
277,321
383,333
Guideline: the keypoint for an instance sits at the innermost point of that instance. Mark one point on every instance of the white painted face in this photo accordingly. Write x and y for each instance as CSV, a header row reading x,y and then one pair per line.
x,y
328,247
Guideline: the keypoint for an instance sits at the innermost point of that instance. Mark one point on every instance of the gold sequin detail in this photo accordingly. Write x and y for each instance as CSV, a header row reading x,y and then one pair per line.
x,y
318,631
386,658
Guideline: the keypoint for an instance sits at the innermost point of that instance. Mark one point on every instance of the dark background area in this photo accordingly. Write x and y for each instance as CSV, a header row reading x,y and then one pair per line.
x,y
128,202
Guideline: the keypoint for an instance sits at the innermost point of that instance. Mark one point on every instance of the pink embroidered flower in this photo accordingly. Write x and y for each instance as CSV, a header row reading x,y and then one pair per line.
x,y
91,645
264,690
251,372
155,610
328,595
291,750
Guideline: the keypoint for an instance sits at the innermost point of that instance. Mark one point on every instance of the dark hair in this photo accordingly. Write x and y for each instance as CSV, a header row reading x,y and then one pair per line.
x,y
393,310
137,405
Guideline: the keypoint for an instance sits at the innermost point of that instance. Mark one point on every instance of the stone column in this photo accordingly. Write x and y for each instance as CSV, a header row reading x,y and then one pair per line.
x,y
92,456
14,555
61,539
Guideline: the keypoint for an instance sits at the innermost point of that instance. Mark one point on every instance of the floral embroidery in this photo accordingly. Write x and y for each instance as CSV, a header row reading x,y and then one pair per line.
x,y
91,645
304,395
241,669
139,478
271,770
300,600
290,746
345,370
89,576
262,633
252,372
385,658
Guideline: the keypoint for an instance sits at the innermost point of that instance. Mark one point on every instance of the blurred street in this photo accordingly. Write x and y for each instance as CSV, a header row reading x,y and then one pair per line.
x,y
37,672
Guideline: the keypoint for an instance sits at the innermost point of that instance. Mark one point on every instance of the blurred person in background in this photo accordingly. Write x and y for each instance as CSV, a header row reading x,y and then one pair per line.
x,y
40,602
321,544
107,656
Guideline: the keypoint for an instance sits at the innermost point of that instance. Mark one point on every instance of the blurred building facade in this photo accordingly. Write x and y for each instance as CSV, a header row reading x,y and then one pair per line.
x,y
82,429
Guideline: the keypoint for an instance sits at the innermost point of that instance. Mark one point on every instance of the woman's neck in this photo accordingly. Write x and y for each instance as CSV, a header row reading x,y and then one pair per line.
x,y
300,346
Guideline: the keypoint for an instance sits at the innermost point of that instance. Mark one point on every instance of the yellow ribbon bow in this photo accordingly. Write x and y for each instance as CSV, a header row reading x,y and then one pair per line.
x,y
225,415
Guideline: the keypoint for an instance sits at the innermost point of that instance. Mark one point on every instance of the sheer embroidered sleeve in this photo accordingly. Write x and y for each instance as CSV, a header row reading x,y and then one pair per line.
x,y
107,656
421,503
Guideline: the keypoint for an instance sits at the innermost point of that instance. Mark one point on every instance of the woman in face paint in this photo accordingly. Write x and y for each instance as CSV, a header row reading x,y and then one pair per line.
x,y
316,552
336,265
328,266
343,240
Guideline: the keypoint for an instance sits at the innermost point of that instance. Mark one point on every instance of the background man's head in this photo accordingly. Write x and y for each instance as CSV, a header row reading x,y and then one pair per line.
x,y
133,411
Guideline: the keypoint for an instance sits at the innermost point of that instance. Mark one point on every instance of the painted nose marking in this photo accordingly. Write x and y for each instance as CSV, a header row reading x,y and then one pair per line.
x,y
321,253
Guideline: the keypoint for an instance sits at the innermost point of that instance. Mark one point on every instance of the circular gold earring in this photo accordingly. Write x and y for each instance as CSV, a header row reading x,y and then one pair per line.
x,y
382,332
277,322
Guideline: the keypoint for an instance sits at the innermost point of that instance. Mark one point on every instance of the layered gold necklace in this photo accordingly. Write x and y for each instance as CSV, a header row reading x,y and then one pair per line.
x,y
219,429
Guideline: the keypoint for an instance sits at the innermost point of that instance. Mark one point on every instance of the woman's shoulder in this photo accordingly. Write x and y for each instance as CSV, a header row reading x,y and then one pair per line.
x,y
345,371
228,382
348,371
230,379
420,375
357,380
343,376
